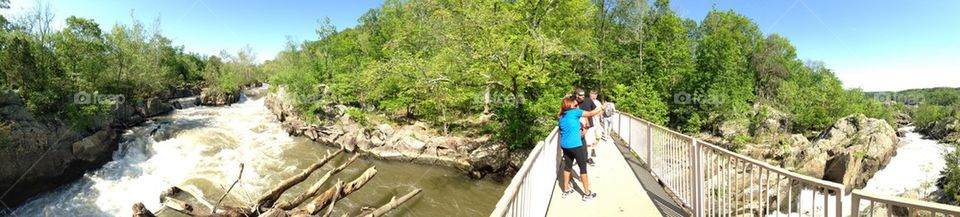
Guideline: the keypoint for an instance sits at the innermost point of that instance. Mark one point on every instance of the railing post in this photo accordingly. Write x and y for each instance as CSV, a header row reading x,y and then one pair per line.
x,y
630,132
854,206
697,173
649,145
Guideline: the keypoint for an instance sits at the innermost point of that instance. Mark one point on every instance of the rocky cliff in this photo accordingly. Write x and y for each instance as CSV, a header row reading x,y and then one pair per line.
x,y
416,142
848,152
38,154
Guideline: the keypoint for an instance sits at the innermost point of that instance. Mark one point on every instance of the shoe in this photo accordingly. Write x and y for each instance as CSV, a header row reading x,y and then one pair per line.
x,y
590,161
593,153
590,196
566,193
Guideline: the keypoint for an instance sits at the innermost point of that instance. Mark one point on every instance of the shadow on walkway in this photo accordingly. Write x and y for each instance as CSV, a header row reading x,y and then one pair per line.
x,y
667,205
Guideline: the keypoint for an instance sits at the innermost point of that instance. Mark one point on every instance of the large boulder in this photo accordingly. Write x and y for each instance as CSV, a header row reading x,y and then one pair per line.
x,y
153,107
218,98
769,125
850,151
182,91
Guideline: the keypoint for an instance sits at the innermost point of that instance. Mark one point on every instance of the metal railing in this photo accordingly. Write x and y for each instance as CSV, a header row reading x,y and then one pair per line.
x,y
530,190
709,180
896,206
713,181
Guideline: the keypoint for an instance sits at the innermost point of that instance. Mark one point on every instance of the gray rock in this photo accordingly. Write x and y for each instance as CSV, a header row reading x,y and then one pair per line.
x,y
153,107
850,151
416,142
212,98
61,153
91,148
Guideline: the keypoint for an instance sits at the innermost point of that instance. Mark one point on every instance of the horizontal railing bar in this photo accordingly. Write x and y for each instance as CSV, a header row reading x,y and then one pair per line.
x,y
800,177
511,192
907,202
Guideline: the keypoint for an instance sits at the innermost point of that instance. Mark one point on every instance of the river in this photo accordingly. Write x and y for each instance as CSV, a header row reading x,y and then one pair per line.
x,y
200,148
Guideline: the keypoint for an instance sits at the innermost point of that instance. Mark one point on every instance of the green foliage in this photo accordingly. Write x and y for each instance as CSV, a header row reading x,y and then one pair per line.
x,y
82,116
927,114
952,176
444,62
727,40
358,115
48,68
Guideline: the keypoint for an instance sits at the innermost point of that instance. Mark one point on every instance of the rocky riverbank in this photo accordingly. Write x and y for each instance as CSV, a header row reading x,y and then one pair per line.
x,y
415,142
946,130
849,152
37,154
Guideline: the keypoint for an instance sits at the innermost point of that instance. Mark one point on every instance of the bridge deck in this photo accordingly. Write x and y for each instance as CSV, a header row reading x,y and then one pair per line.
x,y
619,191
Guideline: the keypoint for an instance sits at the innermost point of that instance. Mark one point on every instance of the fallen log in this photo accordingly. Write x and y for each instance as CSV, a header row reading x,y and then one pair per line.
x,y
326,198
214,210
393,204
314,189
336,196
267,200
172,192
179,206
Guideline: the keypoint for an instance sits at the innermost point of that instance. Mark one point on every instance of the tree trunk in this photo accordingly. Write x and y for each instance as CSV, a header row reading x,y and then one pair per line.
x,y
327,197
393,204
286,205
267,200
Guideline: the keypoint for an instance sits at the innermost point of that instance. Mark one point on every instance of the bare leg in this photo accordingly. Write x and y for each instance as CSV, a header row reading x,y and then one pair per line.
x,y
586,183
566,181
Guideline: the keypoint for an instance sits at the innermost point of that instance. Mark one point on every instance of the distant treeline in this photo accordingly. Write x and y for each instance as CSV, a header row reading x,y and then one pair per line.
x,y
47,67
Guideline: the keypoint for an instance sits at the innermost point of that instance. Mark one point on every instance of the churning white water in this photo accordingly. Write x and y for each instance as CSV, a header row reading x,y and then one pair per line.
x,y
915,168
200,149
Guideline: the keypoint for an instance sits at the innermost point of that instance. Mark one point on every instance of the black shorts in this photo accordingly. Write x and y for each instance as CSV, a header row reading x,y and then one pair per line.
x,y
578,153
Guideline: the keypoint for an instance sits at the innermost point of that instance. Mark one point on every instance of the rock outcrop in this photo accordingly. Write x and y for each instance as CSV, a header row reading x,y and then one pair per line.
x,y
38,155
416,142
849,152
216,98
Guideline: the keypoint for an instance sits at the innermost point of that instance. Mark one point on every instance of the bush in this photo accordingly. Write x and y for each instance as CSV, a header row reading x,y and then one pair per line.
x,y
927,114
951,175
358,115
84,116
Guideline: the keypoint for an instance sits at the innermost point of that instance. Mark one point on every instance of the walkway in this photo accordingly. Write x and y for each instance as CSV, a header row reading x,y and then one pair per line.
x,y
619,193
710,181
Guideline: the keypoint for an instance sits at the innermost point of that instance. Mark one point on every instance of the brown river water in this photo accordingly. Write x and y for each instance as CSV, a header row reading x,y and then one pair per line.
x,y
200,149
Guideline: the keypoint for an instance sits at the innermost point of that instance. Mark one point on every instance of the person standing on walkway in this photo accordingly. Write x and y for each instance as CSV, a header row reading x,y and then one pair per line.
x,y
571,144
589,136
608,115
596,126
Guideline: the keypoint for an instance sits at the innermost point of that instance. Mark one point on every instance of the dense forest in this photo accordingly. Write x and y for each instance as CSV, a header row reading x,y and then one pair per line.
x,y
452,63
48,67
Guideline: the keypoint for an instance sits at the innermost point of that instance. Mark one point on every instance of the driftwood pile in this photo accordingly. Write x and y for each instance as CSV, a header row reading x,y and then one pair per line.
x,y
268,205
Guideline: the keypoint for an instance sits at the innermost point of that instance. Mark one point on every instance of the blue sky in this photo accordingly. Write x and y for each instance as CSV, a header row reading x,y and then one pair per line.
x,y
874,45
